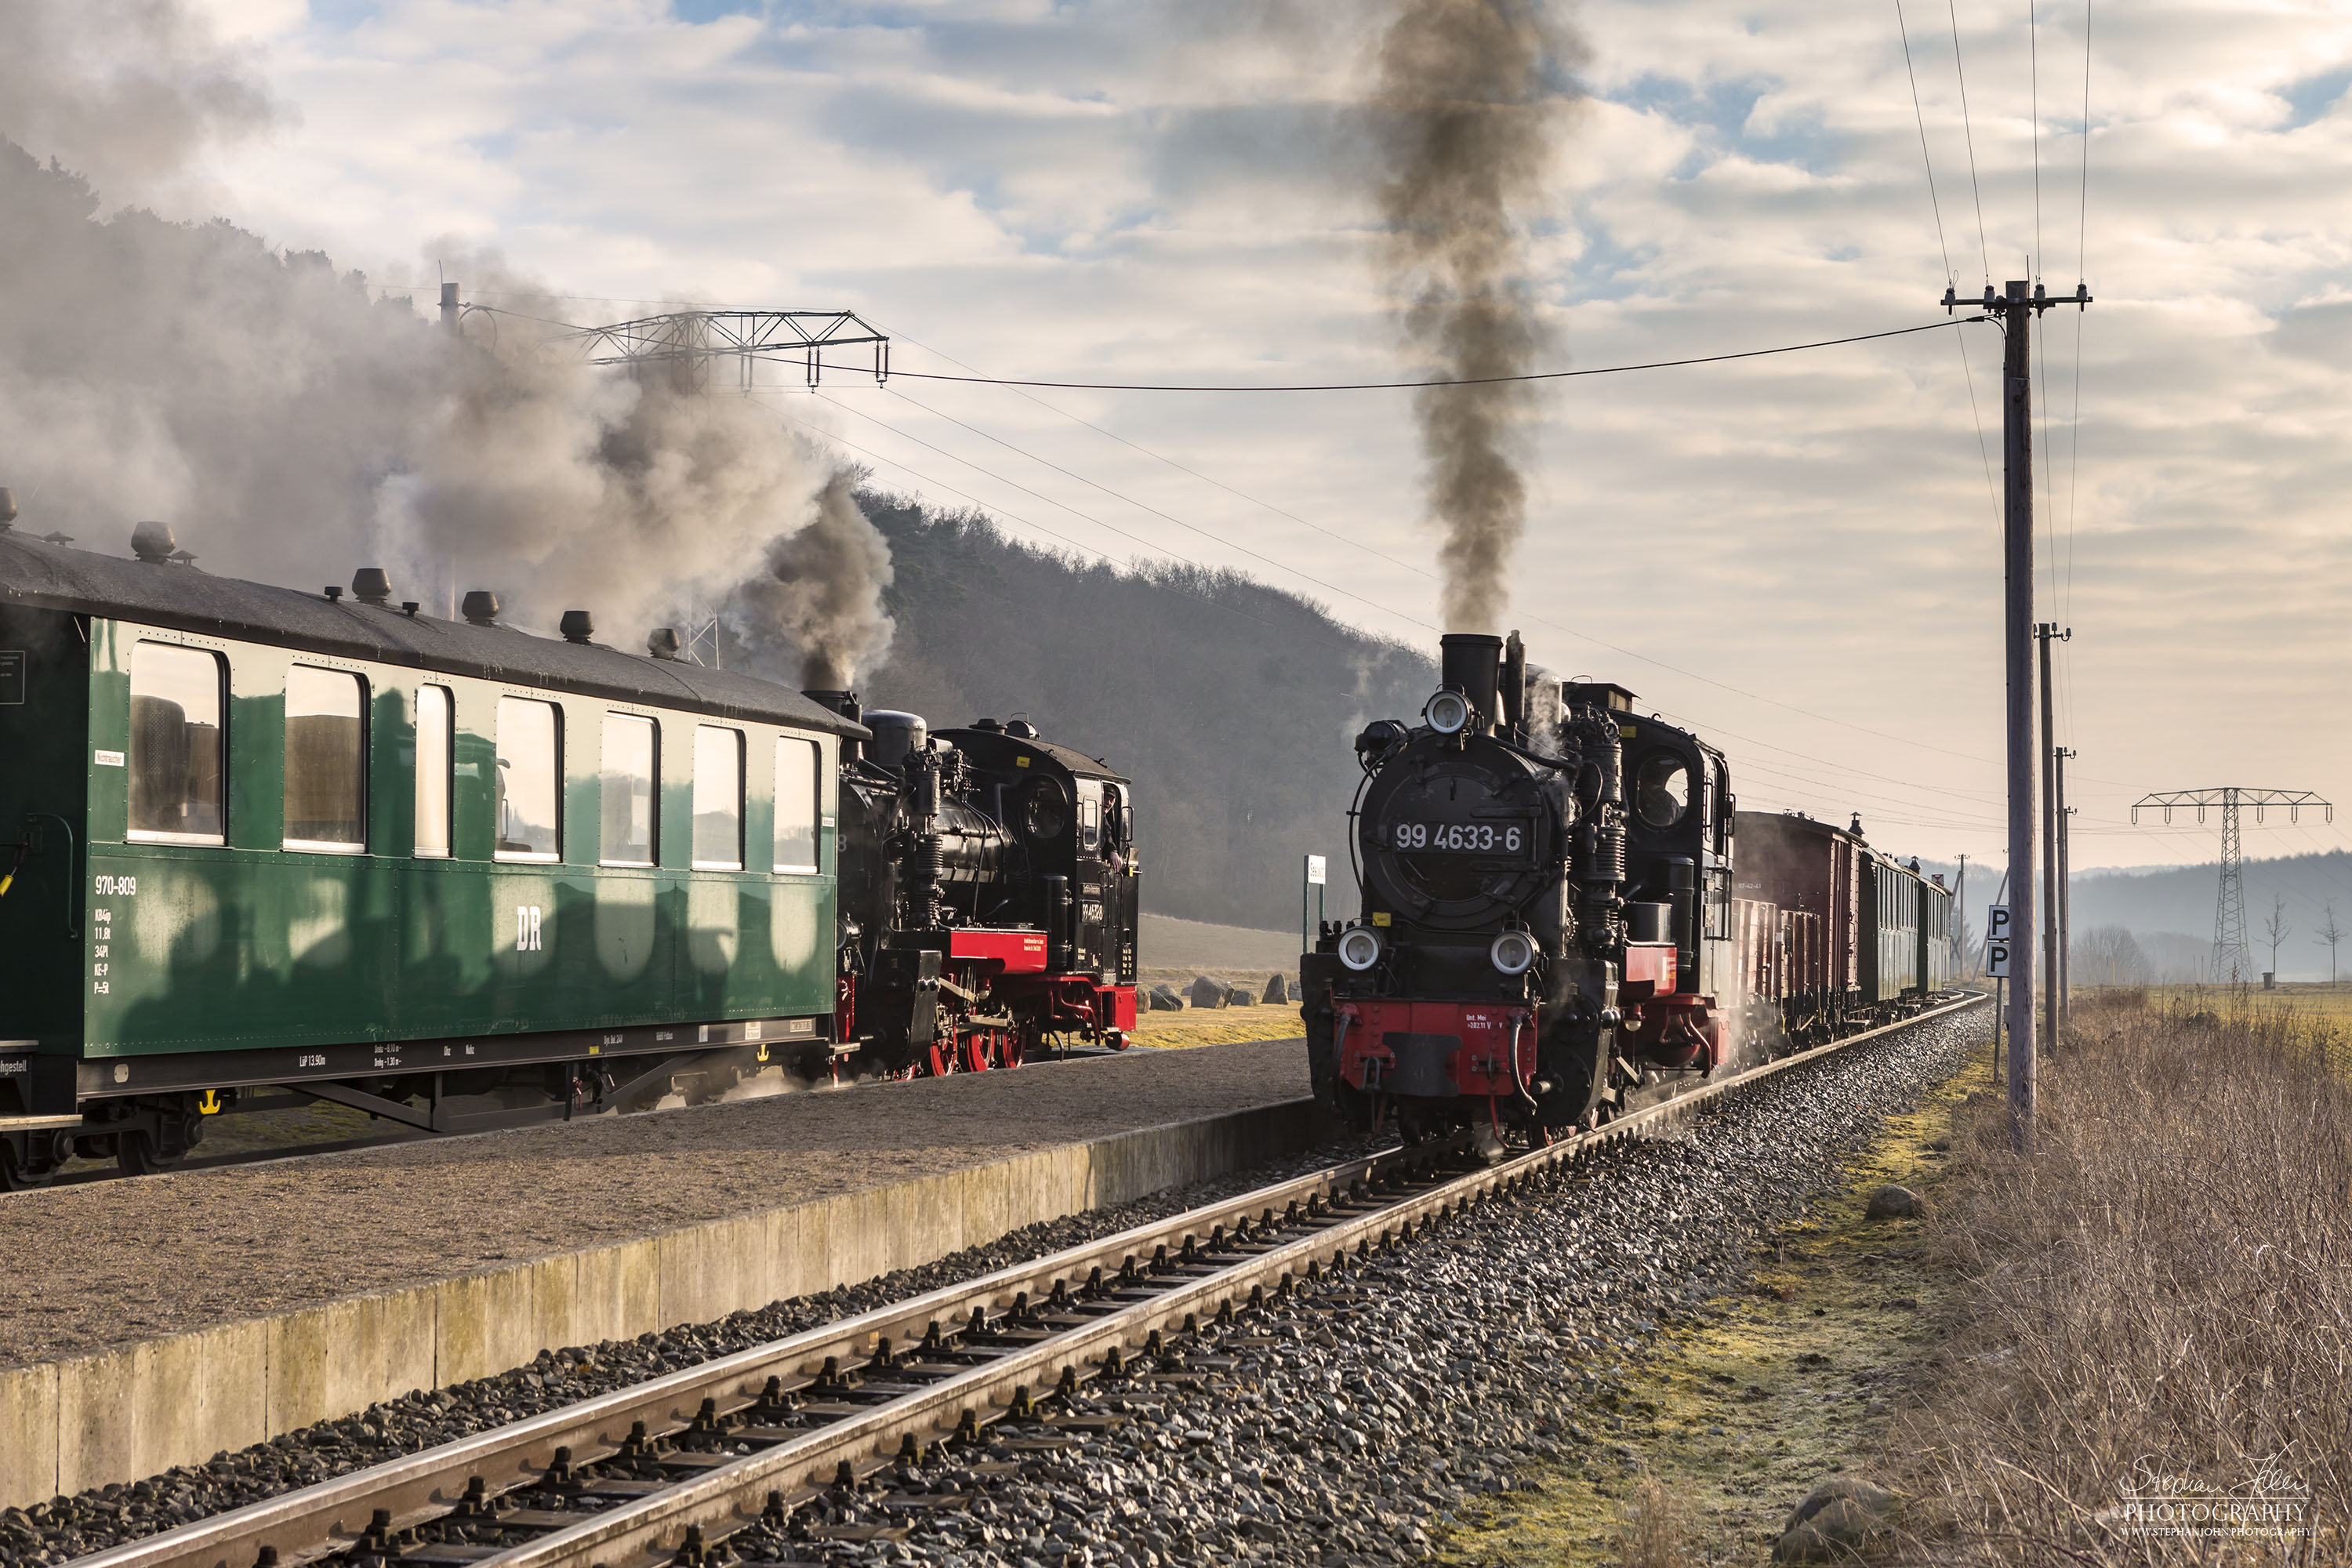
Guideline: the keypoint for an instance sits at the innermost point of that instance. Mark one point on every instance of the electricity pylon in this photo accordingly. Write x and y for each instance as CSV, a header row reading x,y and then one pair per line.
x,y
2233,961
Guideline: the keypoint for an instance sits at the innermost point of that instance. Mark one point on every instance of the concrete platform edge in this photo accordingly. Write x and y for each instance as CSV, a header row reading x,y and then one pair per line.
x,y
126,1414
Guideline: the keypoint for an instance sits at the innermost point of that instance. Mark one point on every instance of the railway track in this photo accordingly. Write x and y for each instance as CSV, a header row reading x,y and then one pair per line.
x,y
882,1405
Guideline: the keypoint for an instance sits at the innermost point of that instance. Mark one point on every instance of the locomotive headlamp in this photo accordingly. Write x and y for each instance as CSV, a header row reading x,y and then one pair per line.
x,y
1360,948
1513,951
1448,712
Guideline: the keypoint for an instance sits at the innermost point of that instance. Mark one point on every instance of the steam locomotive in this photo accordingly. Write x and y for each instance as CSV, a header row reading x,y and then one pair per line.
x,y
261,848
988,894
1550,922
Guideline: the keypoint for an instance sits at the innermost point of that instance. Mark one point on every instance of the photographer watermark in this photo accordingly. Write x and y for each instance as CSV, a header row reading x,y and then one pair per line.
x,y
2273,1503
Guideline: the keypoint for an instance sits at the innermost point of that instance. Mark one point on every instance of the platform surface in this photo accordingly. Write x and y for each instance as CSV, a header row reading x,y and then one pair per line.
x,y
112,1263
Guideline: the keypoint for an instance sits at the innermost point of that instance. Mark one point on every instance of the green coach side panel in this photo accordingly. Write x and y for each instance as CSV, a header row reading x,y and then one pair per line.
x,y
44,747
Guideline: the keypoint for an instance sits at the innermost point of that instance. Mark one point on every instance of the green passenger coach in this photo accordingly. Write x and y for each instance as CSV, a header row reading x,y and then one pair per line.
x,y
448,872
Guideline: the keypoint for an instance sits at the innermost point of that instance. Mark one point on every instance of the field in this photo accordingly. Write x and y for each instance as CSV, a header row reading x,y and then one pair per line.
x,y
2304,998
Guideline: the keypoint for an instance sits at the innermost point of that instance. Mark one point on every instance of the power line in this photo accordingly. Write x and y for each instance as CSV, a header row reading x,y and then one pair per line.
x,y
1920,115
838,440
1144,506
1983,249
1456,381
1180,467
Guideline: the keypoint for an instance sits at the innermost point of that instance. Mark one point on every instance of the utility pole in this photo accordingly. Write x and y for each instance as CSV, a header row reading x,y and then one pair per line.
x,y
2062,811
1960,907
449,309
2015,310
2232,960
2045,633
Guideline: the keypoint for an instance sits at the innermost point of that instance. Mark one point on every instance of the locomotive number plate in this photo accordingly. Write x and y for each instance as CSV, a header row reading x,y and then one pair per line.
x,y
1459,837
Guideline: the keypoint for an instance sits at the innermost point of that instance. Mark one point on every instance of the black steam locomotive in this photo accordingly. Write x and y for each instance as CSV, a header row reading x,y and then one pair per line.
x,y
988,894
1549,918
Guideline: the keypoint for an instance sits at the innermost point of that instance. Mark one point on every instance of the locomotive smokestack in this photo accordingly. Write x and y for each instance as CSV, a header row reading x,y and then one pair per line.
x,y
1513,695
1471,663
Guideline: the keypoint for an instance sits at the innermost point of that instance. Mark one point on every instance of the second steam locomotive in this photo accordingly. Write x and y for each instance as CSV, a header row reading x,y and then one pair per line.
x,y
1562,905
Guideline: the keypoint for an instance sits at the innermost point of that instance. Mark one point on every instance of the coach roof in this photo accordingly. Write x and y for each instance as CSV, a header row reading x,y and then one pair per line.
x,y
34,573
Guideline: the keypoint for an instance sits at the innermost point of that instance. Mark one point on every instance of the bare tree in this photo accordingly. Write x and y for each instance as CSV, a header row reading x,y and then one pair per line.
x,y
2330,934
2276,929
2109,955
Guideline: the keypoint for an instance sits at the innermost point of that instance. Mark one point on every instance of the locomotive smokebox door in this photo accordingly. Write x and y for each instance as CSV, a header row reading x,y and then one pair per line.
x,y
906,993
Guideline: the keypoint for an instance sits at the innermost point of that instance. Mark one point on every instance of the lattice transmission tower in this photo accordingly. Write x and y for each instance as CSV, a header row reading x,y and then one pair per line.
x,y
680,347
2233,958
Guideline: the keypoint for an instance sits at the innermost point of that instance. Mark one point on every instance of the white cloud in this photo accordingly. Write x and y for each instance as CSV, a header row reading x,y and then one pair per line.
x,y
1106,191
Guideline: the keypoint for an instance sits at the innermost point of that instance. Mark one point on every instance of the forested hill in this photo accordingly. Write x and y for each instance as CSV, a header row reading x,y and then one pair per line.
x,y
1233,706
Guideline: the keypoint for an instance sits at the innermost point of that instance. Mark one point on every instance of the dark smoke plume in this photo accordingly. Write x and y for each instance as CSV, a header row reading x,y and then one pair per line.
x,y
1472,97
825,595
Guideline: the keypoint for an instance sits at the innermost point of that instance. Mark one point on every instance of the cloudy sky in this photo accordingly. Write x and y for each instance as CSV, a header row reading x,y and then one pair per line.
x,y
1798,554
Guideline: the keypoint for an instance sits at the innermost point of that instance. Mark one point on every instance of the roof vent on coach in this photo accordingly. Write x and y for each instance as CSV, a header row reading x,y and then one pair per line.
x,y
577,625
480,608
663,643
372,585
152,542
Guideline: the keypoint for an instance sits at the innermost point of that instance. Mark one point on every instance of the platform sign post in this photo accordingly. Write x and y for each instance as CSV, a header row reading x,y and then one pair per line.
x,y
1310,889
1997,934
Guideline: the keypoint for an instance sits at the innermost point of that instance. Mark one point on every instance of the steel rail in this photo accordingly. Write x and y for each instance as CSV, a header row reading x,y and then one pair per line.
x,y
422,1488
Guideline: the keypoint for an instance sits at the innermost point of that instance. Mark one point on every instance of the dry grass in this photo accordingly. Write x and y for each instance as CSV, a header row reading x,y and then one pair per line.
x,y
1654,1529
2164,1289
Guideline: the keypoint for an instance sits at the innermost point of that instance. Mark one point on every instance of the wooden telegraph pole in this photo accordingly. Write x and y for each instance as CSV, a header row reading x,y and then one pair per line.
x,y
2015,308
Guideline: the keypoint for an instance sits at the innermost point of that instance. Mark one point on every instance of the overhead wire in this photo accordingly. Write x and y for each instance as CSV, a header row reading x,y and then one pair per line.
x,y
1959,66
1438,381
833,439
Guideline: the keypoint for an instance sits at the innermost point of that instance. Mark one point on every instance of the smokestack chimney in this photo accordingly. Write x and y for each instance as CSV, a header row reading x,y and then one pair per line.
x,y
481,607
1470,662
450,307
7,509
1513,695
663,643
577,625
372,585
152,542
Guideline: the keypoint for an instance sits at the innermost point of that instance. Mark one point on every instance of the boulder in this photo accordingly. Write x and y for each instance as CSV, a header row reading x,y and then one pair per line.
x,y
1278,989
1239,996
1165,1000
1841,1518
1892,1202
1205,993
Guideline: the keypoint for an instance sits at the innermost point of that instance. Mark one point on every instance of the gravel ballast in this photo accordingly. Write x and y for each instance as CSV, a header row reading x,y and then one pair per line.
x,y
1444,1369
73,1526
131,1260
1342,1437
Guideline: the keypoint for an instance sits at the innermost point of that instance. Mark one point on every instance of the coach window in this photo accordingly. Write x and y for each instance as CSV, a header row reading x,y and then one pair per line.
x,y
718,799
530,780
176,745
796,792
433,719
629,748
326,761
